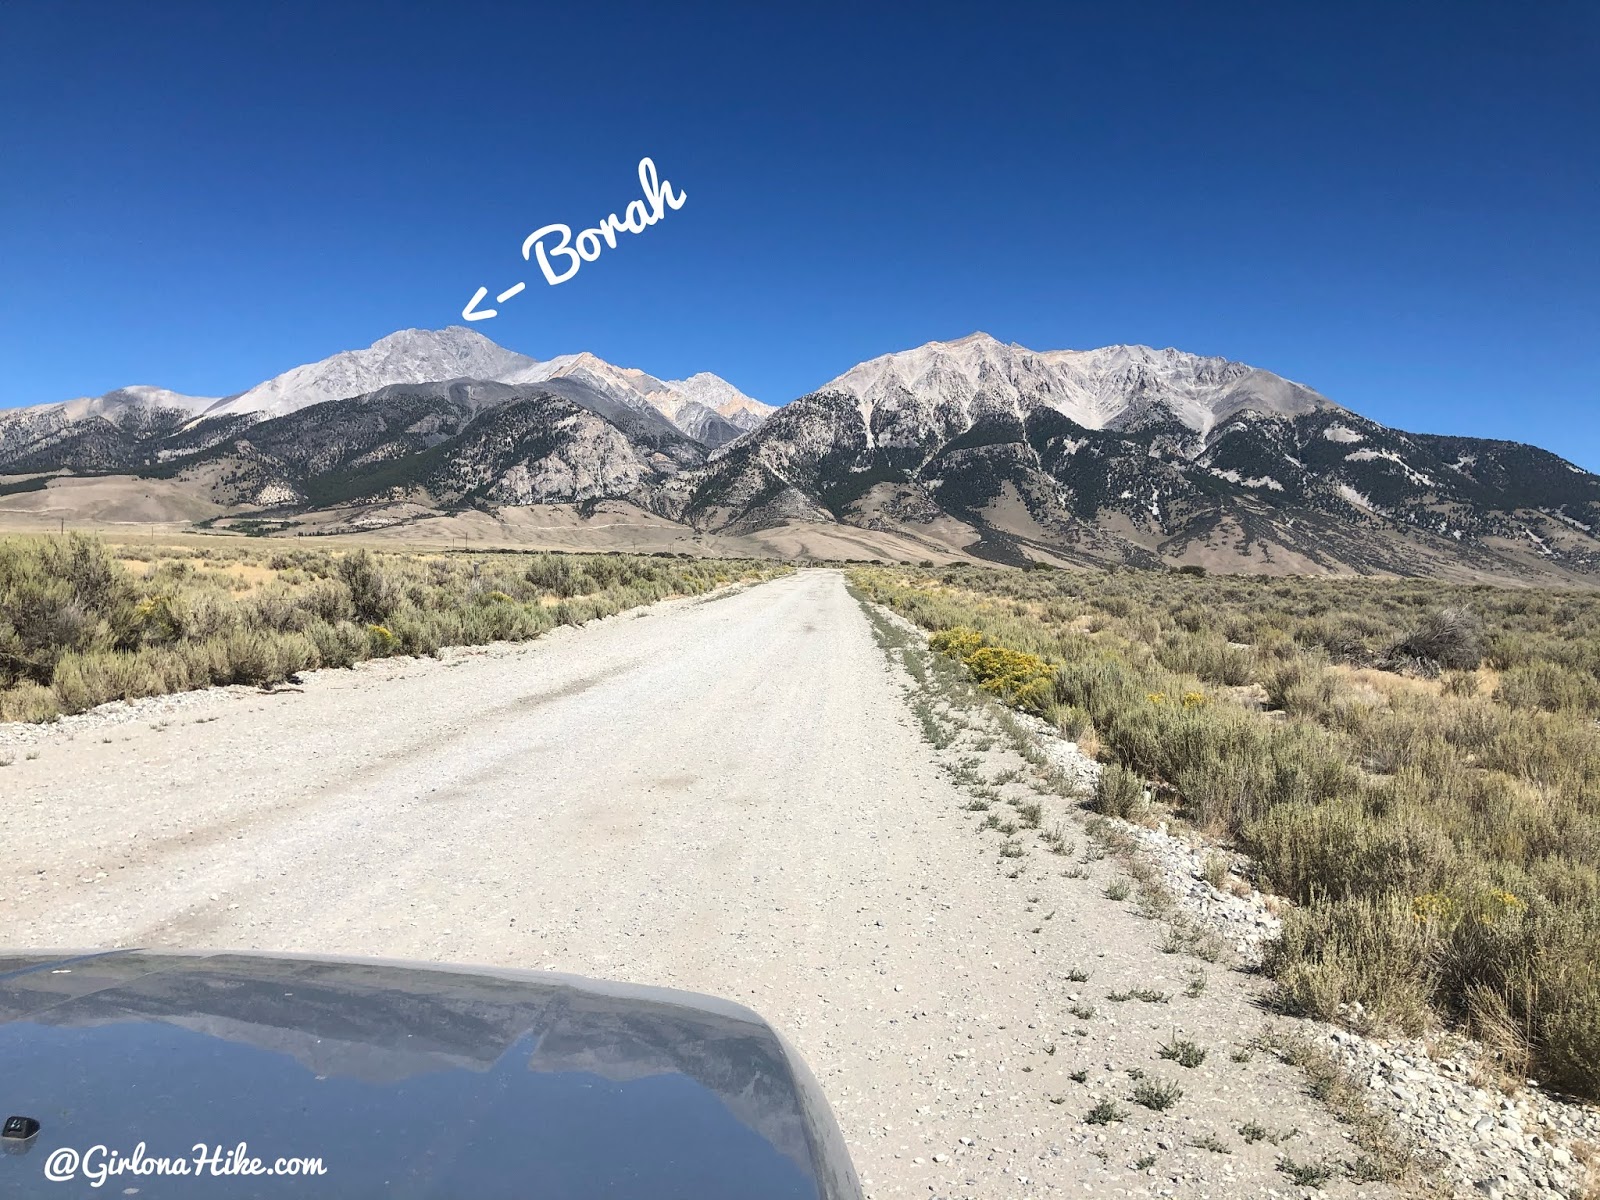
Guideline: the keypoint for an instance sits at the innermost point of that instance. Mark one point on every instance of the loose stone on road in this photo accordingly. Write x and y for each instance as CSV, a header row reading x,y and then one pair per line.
x,y
729,795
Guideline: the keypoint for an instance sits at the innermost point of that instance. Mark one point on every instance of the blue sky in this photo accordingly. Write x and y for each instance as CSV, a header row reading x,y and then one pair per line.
x,y
1392,203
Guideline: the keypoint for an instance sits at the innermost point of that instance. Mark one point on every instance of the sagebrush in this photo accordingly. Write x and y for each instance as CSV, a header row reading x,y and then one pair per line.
x,y
83,622
1415,764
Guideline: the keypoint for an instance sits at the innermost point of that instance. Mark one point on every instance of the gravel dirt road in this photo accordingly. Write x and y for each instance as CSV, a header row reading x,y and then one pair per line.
x,y
729,795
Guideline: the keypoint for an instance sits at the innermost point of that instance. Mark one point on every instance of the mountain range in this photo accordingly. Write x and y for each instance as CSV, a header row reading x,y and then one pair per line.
x,y
971,448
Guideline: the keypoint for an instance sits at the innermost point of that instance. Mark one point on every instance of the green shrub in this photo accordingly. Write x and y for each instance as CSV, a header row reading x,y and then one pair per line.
x,y
77,629
60,596
82,680
1397,817
1366,950
374,595
1541,963
1071,721
1338,848
1118,792
251,656
29,701
1208,656
1550,686
556,574
341,644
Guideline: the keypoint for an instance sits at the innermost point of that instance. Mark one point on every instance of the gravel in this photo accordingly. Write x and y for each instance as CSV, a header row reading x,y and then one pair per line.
x,y
731,795
105,720
1436,1091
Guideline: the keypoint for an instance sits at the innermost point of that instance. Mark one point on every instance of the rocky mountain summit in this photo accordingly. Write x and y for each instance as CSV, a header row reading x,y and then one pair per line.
x,y
954,385
1140,456
120,428
409,356
1123,455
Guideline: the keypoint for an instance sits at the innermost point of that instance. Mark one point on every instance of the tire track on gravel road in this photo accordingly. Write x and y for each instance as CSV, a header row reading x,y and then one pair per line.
x,y
729,796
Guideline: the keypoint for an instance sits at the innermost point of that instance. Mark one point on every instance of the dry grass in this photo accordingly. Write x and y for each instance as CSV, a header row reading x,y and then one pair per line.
x,y
1387,684
1383,1156
1437,819
82,623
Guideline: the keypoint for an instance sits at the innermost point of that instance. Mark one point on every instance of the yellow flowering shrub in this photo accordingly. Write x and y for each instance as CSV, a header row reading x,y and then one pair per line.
x,y
158,615
957,642
1488,907
1433,906
1019,678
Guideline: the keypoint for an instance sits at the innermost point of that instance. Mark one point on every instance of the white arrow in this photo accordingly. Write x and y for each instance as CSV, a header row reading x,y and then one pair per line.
x,y
470,313
478,295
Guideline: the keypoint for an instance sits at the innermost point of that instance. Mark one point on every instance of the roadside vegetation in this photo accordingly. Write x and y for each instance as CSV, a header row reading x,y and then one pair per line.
x,y
1416,765
83,622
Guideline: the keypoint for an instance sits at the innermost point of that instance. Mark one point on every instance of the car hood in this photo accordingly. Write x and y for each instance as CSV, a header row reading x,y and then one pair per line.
x,y
406,1080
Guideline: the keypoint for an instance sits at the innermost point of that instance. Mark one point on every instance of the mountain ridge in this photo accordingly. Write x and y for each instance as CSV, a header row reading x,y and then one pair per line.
x,y
974,447
414,356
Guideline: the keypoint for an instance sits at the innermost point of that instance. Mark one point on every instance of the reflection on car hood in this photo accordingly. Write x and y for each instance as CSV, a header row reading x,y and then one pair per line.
x,y
407,1080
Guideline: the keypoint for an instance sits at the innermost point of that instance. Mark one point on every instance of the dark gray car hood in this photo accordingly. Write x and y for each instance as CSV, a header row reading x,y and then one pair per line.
x,y
406,1080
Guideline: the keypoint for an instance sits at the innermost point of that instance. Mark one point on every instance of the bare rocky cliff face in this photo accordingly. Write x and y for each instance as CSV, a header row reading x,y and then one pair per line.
x,y
1123,454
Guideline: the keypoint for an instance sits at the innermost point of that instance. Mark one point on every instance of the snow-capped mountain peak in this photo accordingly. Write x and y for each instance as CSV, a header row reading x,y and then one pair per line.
x,y
134,396
722,398
713,411
1109,387
627,385
694,404
1124,453
408,356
